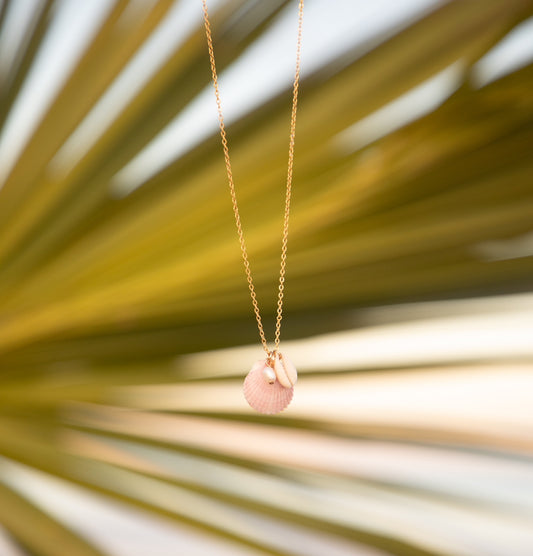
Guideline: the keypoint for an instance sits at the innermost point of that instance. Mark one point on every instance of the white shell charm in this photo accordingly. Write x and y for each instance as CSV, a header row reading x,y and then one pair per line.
x,y
263,389
285,371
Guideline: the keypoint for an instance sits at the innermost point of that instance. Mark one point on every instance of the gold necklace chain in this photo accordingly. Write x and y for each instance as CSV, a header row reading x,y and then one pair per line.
x,y
283,263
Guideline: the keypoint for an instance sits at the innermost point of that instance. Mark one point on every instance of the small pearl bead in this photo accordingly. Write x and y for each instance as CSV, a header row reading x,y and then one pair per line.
x,y
269,375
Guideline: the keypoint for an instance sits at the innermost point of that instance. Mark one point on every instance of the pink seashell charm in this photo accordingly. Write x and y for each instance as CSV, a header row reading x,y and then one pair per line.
x,y
263,395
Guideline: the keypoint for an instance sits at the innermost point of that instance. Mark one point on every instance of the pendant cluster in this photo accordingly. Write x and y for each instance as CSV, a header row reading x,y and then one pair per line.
x,y
268,387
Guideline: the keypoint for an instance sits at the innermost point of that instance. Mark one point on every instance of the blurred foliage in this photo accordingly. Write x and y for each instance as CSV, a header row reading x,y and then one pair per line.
x,y
100,291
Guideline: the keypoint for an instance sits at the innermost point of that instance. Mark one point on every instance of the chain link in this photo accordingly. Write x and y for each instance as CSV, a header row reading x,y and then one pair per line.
x,y
285,236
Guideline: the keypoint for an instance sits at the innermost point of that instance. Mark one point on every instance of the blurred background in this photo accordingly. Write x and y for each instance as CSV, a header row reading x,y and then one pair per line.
x,y
126,325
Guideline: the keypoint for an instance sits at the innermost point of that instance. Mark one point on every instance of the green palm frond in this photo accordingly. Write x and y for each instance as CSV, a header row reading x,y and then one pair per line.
x,y
110,290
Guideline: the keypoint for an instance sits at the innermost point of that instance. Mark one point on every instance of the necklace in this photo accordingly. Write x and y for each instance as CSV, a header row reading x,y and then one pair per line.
x,y
268,387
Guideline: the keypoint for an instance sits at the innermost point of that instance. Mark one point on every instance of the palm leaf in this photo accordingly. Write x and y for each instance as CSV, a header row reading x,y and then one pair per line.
x,y
120,300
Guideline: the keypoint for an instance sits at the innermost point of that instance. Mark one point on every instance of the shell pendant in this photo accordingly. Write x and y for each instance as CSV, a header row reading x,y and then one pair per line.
x,y
268,387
